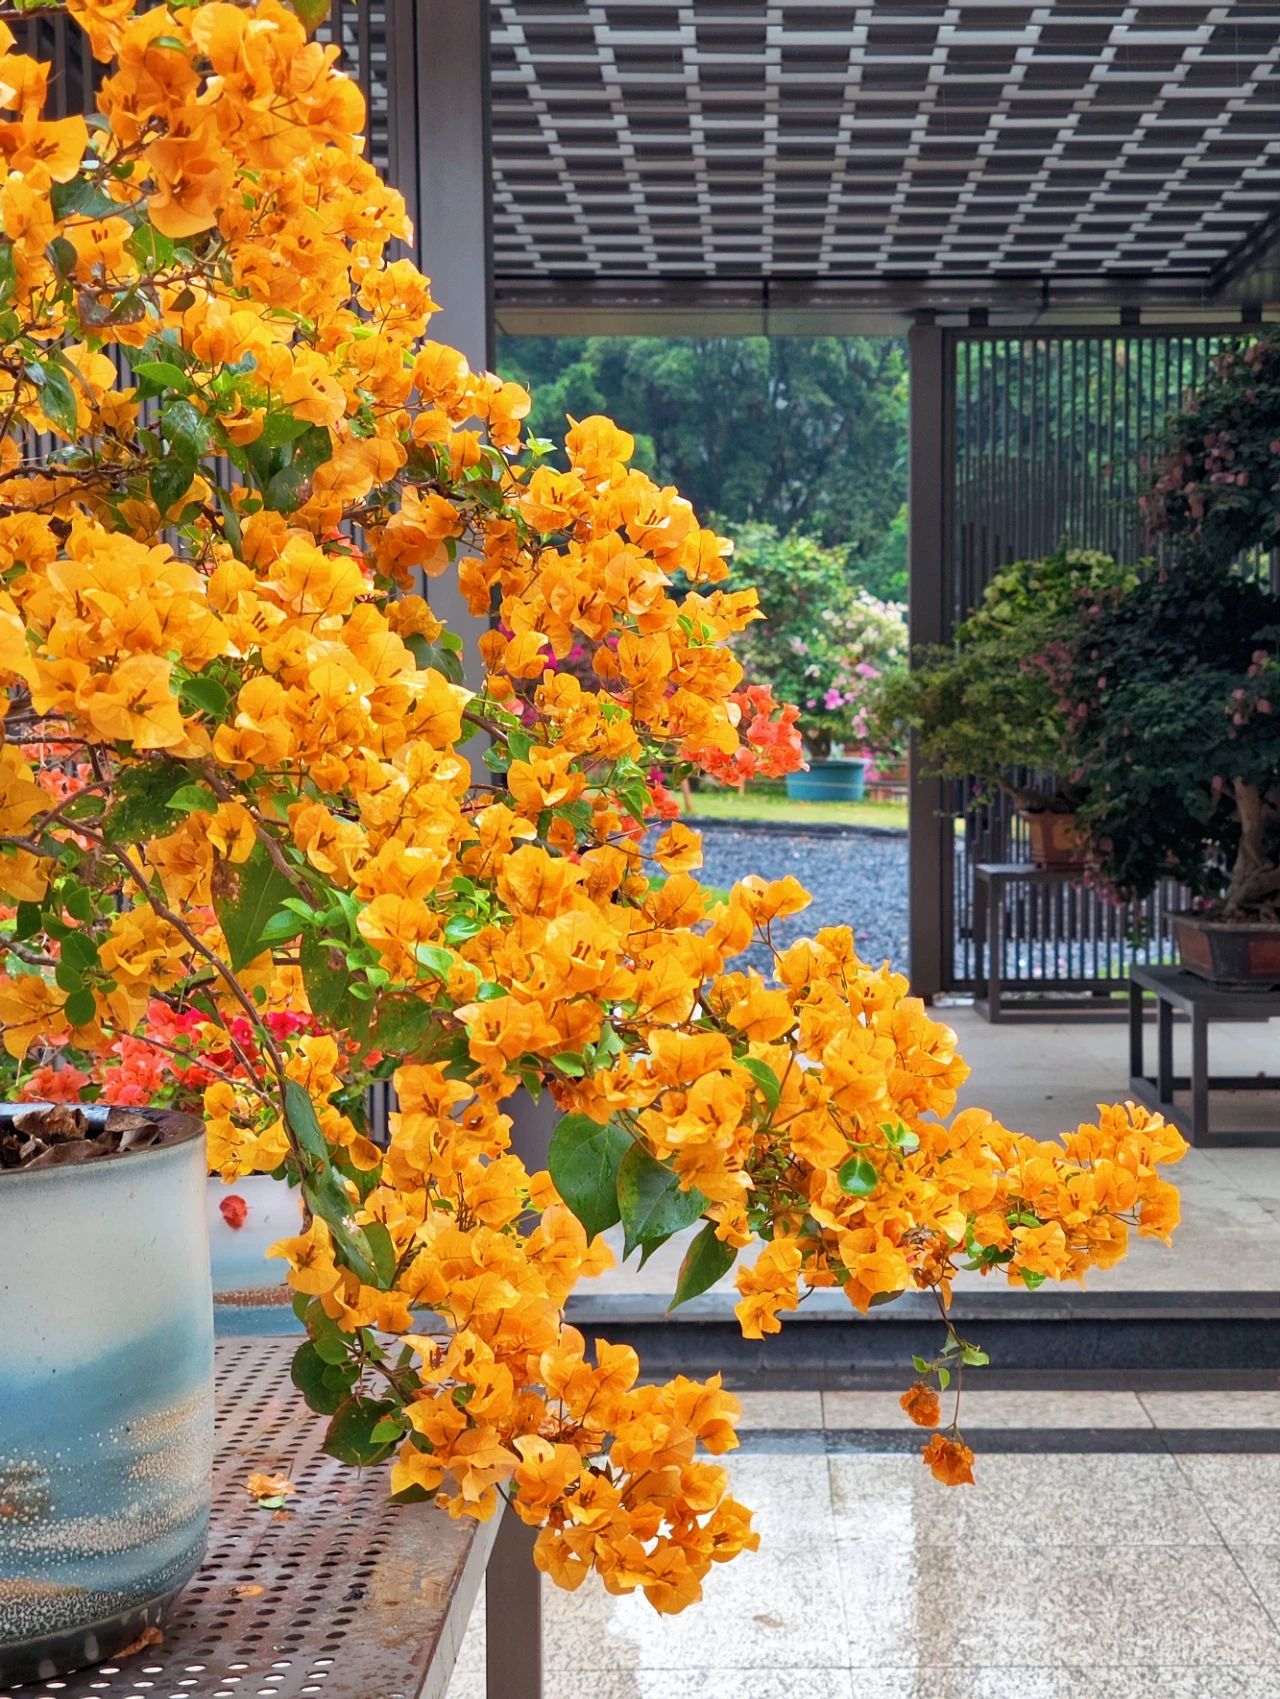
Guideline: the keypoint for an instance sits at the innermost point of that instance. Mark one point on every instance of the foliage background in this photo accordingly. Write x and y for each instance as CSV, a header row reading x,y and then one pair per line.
x,y
805,434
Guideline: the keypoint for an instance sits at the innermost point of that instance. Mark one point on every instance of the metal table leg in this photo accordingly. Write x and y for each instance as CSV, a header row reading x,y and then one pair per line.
x,y
1164,1050
1137,1066
1199,1075
995,966
513,1614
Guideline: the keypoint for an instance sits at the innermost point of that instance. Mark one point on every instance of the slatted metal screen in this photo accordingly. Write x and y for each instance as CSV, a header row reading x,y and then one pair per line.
x,y
1048,430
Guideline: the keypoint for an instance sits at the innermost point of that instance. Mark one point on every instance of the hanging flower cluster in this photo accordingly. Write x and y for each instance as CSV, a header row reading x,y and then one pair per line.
x,y
241,778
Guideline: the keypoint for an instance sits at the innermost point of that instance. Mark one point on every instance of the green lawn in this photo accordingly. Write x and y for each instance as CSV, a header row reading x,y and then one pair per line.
x,y
779,809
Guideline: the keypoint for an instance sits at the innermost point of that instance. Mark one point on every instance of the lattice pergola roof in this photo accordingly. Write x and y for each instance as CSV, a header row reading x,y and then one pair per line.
x,y
887,147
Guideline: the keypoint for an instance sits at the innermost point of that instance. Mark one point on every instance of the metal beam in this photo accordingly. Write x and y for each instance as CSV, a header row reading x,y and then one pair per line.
x,y
930,472
760,306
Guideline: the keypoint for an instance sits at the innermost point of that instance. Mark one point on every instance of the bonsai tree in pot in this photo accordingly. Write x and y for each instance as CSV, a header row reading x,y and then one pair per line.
x,y
1168,693
821,646
987,708
242,779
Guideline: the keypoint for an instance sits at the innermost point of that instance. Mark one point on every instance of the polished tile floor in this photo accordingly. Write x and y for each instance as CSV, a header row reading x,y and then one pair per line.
x,y
1116,1546
1044,1077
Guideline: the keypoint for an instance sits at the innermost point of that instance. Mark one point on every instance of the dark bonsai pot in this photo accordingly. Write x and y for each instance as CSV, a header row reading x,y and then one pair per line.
x,y
1237,955
1054,840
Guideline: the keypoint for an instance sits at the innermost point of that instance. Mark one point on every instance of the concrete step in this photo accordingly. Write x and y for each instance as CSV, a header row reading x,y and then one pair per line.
x,y
1060,1338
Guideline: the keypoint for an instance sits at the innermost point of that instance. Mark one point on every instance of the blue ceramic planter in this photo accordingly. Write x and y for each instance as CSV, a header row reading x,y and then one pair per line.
x,y
106,1400
836,779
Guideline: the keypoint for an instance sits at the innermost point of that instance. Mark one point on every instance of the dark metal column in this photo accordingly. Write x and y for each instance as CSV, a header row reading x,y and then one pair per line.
x,y
929,507
438,76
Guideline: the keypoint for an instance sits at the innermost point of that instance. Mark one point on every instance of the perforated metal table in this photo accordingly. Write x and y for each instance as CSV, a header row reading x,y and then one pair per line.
x,y
351,1597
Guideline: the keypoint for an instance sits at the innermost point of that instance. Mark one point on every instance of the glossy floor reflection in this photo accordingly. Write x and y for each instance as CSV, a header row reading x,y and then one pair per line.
x,y
1141,1563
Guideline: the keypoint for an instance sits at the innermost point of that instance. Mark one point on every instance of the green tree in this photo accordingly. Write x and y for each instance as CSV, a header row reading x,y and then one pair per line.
x,y
813,440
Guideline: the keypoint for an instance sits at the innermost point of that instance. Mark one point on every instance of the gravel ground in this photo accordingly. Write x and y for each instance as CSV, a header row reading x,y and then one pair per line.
x,y
858,879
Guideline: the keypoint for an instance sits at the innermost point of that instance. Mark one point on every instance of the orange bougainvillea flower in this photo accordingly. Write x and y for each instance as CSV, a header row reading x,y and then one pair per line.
x,y
949,1461
921,1404
272,836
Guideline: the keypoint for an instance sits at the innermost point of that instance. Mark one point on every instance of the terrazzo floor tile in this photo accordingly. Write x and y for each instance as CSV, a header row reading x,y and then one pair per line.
x,y
1260,1565
1213,1409
773,1611
1241,1496
1056,1499
982,1408
788,1490
1256,1681
986,1606
682,1684
780,1410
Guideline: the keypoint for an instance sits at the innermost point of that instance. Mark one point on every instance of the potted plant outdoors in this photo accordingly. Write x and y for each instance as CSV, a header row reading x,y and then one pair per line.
x,y
234,781
821,646
1172,696
986,707
1215,481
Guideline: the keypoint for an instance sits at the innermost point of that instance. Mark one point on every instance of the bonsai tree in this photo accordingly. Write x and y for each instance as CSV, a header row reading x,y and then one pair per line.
x,y
1168,693
823,642
1216,481
252,820
987,706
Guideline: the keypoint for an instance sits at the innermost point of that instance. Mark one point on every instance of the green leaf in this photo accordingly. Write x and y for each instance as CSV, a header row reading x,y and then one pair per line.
x,y
312,12
245,898
79,949
171,478
80,1008
152,250
187,799
300,1112
210,698
570,1063
1032,1278
350,1434
28,920
164,375
858,1177
765,1078
974,1358
282,427
462,927
142,811
82,198
705,1262
310,1374
282,926
325,976
651,1202
57,398
436,960
390,1428
400,1025
384,1253
186,428
584,1159
289,488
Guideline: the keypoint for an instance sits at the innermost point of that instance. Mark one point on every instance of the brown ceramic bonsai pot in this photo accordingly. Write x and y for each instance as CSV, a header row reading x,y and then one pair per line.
x,y
1055,840
1237,955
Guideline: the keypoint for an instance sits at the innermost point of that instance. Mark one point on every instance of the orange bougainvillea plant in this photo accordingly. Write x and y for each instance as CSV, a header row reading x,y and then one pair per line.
x,y
245,791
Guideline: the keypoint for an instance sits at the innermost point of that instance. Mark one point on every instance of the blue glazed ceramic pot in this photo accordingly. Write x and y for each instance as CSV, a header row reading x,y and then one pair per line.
x,y
836,779
106,1398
